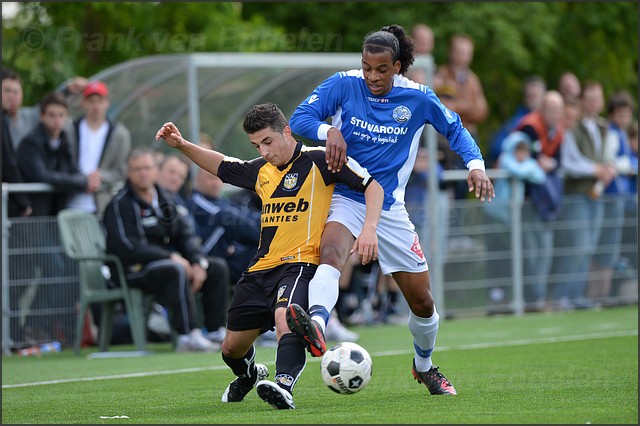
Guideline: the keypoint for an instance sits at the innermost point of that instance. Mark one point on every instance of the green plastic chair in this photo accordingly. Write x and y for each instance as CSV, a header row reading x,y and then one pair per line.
x,y
84,241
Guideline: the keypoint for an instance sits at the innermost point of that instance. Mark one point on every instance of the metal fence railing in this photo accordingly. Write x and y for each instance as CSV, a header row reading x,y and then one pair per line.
x,y
478,265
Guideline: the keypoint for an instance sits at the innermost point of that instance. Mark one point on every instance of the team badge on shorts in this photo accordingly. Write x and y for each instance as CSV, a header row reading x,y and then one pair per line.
x,y
416,248
401,114
281,291
290,181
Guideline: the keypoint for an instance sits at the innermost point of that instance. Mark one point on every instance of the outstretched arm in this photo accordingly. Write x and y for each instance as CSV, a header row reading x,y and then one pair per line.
x,y
207,159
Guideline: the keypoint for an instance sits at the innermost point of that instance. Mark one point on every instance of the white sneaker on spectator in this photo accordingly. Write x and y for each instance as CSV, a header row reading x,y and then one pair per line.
x,y
195,342
218,335
158,320
267,339
338,332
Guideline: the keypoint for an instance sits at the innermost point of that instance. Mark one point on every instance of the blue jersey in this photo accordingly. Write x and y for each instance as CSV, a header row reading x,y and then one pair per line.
x,y
382,132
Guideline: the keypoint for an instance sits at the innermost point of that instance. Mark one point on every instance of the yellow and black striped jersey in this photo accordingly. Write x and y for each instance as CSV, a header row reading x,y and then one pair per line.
x,y
295,202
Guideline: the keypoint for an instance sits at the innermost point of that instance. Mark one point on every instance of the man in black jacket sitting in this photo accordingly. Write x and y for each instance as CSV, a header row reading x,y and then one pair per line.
x,y
159,251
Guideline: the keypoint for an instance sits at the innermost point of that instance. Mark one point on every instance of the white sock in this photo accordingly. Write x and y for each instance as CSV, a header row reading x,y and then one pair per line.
x,y
424,331
323,291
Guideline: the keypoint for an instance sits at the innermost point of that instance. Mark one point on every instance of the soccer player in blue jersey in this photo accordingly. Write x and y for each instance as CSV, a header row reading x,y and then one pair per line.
x,y
295,186
377,117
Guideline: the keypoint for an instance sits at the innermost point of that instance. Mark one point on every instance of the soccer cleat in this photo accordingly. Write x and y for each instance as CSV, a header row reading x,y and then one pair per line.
x,y
307,329
274,395
434,381
235,392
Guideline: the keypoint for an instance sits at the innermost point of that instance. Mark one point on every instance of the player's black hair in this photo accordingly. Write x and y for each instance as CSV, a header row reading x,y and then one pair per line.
x,y
391,38
262,116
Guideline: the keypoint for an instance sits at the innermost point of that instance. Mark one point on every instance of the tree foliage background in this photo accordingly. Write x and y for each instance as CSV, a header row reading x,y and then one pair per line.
x,y
50,42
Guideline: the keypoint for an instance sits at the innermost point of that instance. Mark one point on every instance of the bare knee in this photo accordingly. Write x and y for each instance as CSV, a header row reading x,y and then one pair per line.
x,y
335,245
422,306
237,343
416,288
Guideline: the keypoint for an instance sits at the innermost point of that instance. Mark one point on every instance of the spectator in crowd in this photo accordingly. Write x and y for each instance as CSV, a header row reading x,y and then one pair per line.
x,y
545,130
587,173
12,119
632,134
228,231
172,176
618,152
569,86
533,90
23,119
100,148
459,88
44,155
423,44
517,160
18,204
160,254
630,233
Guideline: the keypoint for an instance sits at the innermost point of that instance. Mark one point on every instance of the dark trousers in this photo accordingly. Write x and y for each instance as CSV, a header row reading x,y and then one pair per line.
x,y
168,280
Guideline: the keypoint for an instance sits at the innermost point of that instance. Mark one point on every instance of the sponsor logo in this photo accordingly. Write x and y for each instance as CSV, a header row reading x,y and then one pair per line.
x,y
286,207
401,114
375,128
378,100
287,258
281,290
416,248
284,379
290,181
312,99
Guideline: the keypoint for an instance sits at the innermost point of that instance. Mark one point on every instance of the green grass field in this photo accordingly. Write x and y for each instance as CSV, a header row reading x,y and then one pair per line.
x,y
569,367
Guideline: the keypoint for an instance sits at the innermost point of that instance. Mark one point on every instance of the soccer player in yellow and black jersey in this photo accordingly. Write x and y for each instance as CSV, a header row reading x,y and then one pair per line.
x,y
295,186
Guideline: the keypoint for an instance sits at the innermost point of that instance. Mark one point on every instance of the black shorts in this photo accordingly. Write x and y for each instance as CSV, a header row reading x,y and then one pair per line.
x,y
257,295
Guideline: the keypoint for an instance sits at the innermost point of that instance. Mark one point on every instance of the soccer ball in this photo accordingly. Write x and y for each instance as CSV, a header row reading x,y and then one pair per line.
x,y
346,368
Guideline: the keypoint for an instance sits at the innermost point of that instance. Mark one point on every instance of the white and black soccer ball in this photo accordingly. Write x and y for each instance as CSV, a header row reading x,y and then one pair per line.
x,y
346,368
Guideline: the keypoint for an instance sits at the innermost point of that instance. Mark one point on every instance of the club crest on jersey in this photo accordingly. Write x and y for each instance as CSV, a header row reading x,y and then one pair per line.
x,y
401,114
290,181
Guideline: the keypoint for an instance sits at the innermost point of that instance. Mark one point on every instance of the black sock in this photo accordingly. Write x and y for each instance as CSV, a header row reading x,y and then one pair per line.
x,y
290,361
244,368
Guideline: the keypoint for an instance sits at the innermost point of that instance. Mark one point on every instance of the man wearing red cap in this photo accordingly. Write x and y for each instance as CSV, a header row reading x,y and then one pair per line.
x,y
100,148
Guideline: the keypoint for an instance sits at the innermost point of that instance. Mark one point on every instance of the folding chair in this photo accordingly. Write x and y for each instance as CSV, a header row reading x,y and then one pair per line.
x,y
84,241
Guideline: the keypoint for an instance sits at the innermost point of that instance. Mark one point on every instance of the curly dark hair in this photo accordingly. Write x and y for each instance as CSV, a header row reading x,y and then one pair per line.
x,y
391,38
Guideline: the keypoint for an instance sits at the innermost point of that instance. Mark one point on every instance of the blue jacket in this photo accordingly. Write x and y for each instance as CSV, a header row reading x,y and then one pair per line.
x,y
226,230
